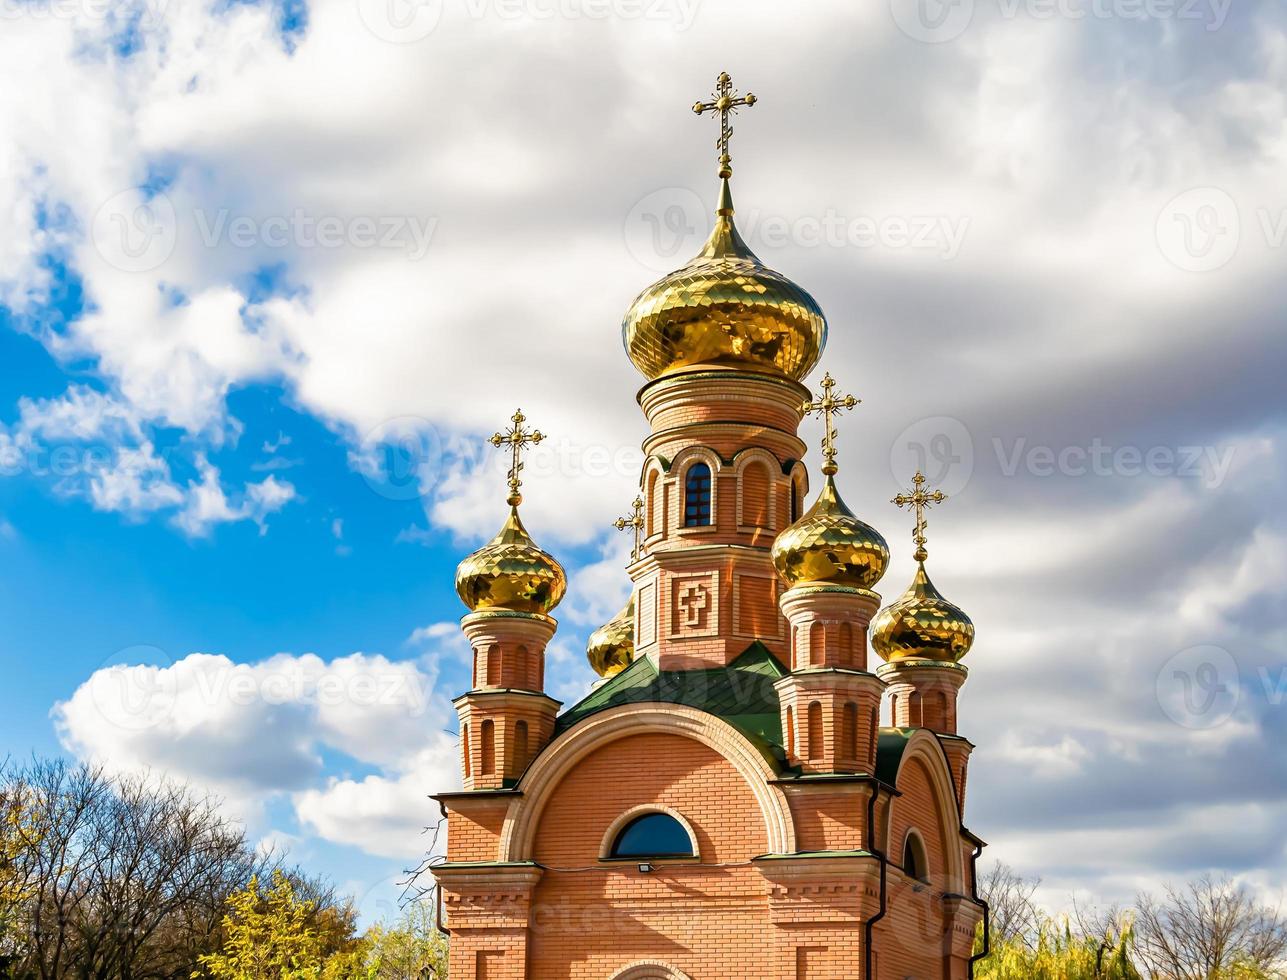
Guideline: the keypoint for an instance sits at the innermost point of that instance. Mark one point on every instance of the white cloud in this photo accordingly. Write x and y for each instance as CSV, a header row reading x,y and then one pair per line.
x,y
255,731
385,815
1061,320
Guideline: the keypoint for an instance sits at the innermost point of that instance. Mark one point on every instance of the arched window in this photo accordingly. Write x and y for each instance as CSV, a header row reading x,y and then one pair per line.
x,y
464,736
795,501
849,729
653,835
651,525
790,732
817,644
493,666
697,496
756,485
815,730
520,744
489,747
915,864
523,663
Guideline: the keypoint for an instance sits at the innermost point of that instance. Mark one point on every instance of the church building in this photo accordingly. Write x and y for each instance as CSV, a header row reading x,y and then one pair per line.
x,y
748,793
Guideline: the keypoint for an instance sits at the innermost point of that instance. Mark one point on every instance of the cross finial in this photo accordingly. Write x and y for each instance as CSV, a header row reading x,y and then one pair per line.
x,y
920,500
828,406
518,439
635,521
726,102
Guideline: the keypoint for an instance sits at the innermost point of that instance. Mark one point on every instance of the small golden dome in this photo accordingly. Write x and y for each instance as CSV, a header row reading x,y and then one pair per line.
x,y
725,307
511,572
829,546
612,645
922,625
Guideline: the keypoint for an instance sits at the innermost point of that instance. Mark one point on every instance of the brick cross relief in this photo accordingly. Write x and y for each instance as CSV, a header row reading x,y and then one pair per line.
x,y
693,600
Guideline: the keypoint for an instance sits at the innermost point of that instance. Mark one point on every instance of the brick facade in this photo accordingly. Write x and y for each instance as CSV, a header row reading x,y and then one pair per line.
x,y
800,820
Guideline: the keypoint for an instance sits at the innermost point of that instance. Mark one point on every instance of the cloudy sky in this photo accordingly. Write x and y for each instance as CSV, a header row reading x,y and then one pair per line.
x,y
270,271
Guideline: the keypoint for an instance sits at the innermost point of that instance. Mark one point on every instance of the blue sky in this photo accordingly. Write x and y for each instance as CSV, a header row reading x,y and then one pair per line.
x,y
271,276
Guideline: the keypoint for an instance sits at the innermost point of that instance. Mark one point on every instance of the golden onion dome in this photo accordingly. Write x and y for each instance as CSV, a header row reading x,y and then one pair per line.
x,y
830,546
510,572
612,645
725,307
922,625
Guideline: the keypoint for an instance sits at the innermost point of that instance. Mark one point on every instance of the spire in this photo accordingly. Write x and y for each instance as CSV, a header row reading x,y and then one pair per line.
x,y
920,501
922,624
518,439
828,406
636,523
726,102
511,571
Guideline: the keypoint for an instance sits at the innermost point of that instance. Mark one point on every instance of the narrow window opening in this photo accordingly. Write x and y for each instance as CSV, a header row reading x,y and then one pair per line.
x,y
697,496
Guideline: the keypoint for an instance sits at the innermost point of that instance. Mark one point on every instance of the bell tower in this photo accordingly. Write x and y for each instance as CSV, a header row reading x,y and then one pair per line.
x,y
510,586
831,560
723,344
923,638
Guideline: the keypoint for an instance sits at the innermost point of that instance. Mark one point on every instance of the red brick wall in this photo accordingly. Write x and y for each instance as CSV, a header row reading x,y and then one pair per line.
x,y
709,922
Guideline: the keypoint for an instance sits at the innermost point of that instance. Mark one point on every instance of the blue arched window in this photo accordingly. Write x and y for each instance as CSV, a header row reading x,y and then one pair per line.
x,y
653,835
697,496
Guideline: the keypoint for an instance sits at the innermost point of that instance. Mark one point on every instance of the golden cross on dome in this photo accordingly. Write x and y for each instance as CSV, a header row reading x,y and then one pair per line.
x,y
828,406
726,102
518,439
920,500
635,522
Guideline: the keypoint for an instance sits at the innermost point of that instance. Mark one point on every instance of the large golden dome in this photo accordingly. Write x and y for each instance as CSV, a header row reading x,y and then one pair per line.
x,y
612,645
922,625
830,546
511,572
725,307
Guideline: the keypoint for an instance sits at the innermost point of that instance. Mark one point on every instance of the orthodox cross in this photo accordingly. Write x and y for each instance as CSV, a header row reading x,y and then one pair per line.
x,y
726,102
828,406
518,439
635,522
920,500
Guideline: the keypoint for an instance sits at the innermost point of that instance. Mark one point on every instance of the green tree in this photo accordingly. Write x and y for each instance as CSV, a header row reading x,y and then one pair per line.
x,y
268,935
411,949
1060,952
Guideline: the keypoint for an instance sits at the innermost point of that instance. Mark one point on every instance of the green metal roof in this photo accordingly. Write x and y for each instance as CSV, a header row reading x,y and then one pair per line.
x,y
890,743
741,694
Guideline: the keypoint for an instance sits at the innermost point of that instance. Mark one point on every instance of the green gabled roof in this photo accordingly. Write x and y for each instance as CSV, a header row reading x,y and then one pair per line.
x,y
742,694
890,743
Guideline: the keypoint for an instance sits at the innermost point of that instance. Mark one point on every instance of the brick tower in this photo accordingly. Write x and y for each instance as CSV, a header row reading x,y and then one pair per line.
x,y
725,803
